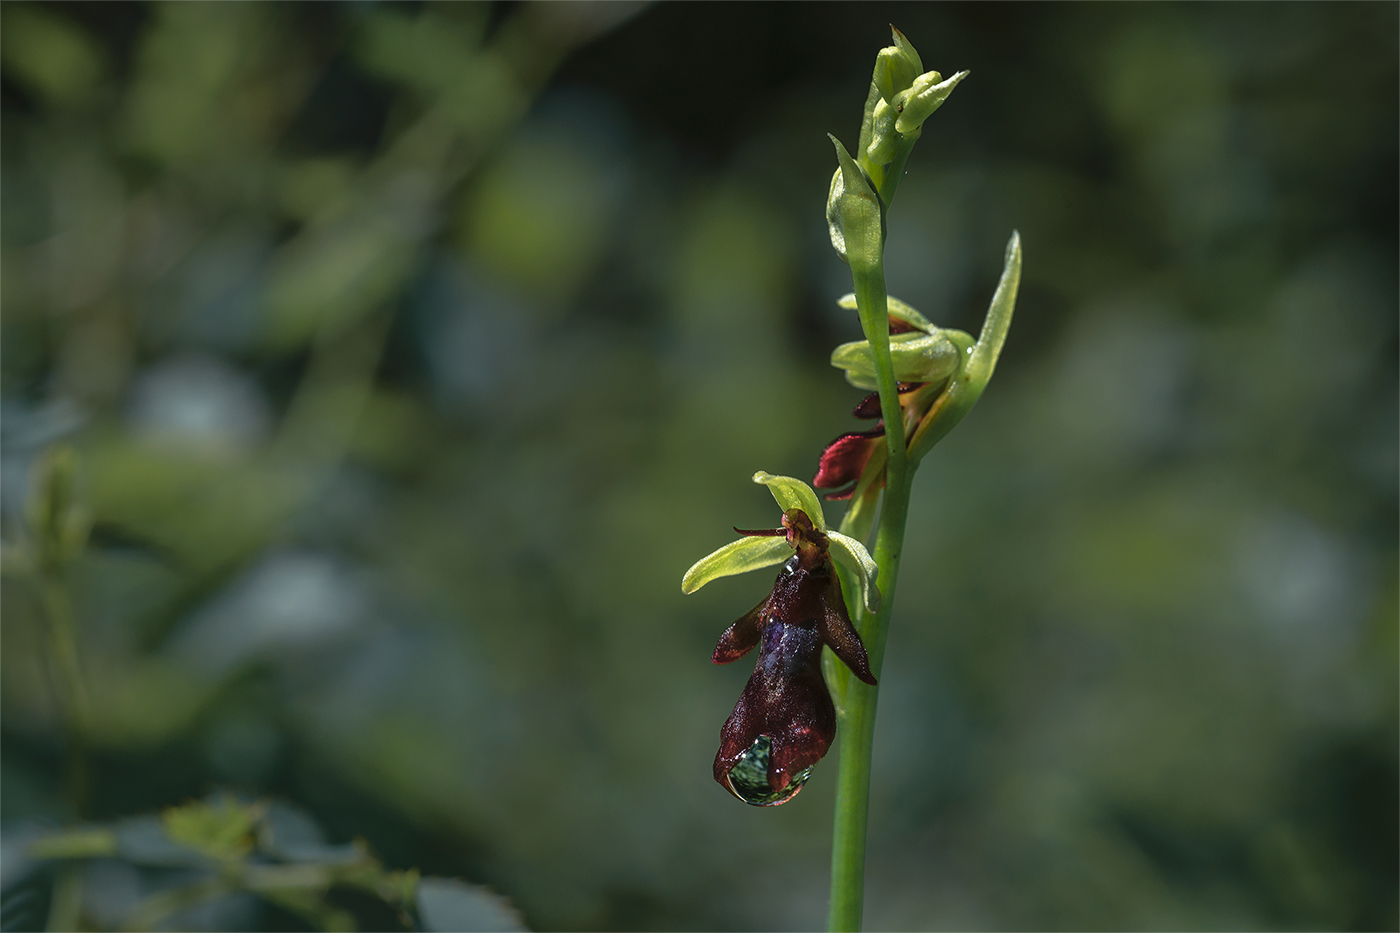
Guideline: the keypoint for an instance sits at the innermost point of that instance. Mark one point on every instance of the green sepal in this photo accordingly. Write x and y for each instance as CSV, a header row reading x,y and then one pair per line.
x,y
851,554
749,553
855,218
883,139
966,388
917,357
907,50
998,320
926,95
894,71
896,309
867,120
792,493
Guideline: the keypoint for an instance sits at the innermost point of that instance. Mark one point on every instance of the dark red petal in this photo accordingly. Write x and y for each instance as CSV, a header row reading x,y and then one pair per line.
x,y
741,636
900,327
844,458
869,407
739,731
841,495
840,636
761,532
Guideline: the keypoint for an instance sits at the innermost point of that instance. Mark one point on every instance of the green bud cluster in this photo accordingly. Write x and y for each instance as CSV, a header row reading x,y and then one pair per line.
x,y
902,96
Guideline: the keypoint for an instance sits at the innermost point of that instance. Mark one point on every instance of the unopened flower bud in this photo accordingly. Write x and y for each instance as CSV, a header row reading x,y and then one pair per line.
x,y
926,95
896,66
854,214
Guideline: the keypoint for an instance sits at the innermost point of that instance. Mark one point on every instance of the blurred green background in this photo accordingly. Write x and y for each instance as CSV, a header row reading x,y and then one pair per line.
x,y
412,351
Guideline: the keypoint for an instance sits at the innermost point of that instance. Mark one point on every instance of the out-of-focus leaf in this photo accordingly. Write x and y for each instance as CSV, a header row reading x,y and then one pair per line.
x,y
447,904
223,829
77,843
291,834
50,54
143,840
184,65
332,278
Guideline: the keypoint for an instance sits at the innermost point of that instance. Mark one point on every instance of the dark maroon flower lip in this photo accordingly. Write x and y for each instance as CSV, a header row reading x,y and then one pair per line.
x,y
785,721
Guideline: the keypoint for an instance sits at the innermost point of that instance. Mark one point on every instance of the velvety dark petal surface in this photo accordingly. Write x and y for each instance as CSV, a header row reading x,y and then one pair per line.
x,y
840,635
739,637
845,458
868,408
786,697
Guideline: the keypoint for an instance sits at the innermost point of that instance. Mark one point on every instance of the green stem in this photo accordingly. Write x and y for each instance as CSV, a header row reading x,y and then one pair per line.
x,y
858,728
891,174
859,700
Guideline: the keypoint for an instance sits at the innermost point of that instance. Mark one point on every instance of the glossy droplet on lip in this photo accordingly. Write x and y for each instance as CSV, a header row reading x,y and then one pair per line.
x,y
748,779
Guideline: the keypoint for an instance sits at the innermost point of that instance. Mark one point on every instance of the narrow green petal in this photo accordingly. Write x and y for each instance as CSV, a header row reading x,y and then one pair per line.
x,y
998,321
906,48
793,494
897,310
851,554
966,388
749,553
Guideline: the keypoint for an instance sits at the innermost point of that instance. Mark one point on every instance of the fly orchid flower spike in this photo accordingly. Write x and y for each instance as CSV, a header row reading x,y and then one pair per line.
x,y
785,721
902,96
940,373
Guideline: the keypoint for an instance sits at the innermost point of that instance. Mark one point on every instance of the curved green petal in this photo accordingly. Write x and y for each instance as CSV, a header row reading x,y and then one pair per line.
x,y
966,389
852,555
750,553
994,328
897,310
917,357
793,494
